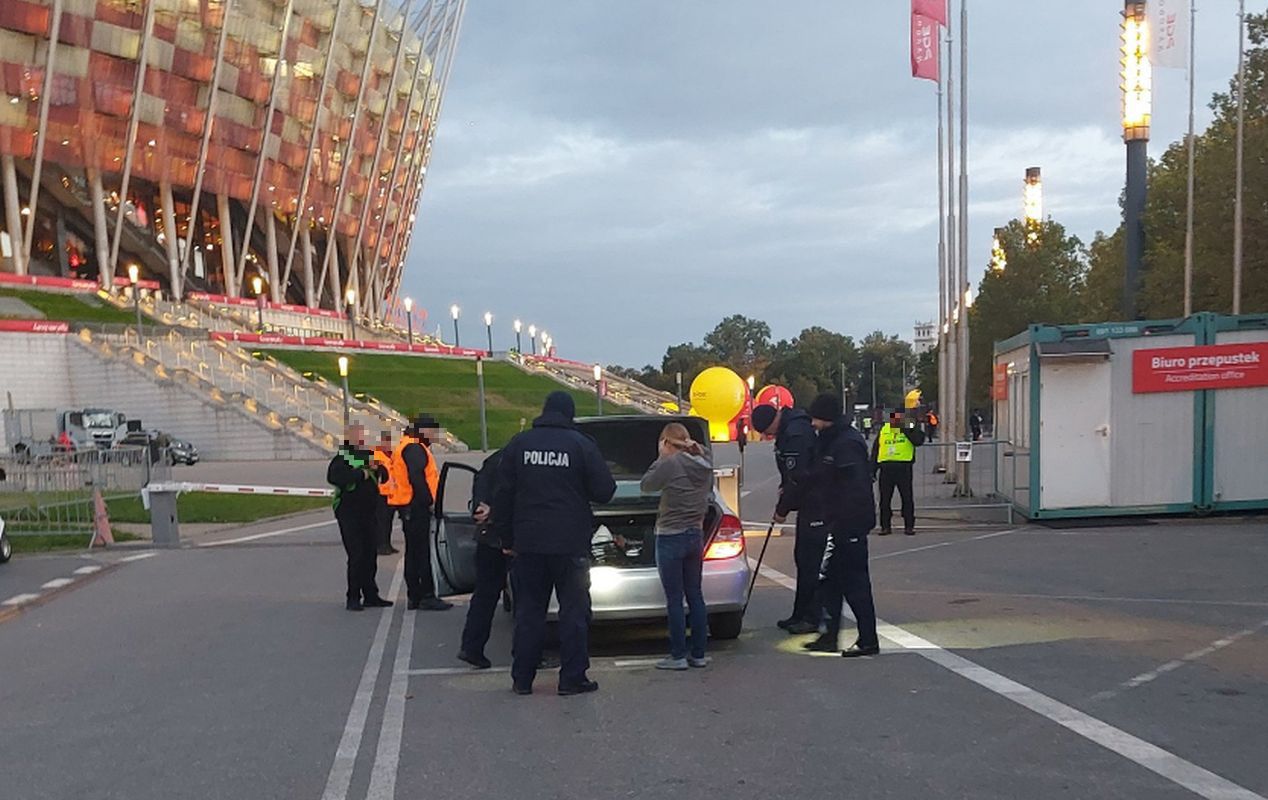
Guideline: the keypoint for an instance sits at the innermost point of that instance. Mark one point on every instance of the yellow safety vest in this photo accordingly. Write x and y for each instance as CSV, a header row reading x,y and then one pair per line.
x,y
895,446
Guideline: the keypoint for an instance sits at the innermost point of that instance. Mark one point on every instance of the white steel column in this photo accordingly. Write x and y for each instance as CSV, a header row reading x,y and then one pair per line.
x,y
263,158
950,414
101,236
226,245
170,238
333,235
199,171
41,133
965,485
306,240
13,212
301,204
270,235
147,33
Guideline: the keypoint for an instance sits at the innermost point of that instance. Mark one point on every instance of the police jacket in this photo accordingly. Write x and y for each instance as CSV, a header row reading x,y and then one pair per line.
x,y
355,477
840,483
485,491
548,479
794,446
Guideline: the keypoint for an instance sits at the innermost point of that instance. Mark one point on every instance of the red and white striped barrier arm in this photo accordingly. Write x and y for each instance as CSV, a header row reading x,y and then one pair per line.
x,y
231,488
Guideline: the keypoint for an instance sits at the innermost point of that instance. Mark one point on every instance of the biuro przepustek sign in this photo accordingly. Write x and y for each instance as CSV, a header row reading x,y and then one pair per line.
x,y
1187,369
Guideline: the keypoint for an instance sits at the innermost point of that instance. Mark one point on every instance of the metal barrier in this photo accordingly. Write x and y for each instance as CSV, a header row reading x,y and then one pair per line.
x,y
934,482
54,494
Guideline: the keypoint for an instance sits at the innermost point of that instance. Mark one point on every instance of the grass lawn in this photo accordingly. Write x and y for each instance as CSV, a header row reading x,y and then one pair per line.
x,y
446,389
70,308
209,507
45,542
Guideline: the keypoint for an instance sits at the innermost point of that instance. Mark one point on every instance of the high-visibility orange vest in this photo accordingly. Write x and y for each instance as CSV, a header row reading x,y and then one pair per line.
x,y
933,418
403,491
388,487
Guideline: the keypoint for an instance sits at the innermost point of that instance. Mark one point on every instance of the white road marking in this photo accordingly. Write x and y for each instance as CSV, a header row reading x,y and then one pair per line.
x,y
618,665
20,599
58,583
267,535
137,557
88,570
943,544
1172,666
1201,782
1107,598
340,777
387,757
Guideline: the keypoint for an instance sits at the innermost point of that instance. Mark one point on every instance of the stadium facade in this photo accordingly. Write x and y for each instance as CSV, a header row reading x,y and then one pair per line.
x,y
274,143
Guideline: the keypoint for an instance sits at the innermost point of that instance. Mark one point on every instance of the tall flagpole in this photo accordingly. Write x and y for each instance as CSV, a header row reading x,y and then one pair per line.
x,y
951,412
1188,230
1241,146
942,258
962,283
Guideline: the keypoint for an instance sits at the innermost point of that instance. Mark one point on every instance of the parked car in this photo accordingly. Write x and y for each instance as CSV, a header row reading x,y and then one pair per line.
x,y
6,547
624,583
180,451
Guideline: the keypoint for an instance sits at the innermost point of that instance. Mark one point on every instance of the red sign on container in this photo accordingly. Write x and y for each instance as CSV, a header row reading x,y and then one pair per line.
x,y
999,384
1187,369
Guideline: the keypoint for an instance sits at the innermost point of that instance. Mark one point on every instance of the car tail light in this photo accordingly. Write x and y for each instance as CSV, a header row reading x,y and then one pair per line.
x,y
728,542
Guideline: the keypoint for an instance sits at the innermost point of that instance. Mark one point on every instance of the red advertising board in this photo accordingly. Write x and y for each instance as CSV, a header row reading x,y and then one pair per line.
x,y
33,326
1187,369
999,385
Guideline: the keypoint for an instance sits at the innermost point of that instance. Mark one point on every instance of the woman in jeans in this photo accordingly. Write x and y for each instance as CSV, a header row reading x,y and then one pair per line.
x,y
684,477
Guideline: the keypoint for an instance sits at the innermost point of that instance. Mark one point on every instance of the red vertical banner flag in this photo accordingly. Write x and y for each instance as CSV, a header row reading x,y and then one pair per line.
x,y
924,47
933,9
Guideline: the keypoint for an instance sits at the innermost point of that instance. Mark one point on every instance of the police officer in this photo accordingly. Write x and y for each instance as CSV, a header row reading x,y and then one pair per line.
x,y
414,453
549,477
491,566
355,477
840,495
794,444
893,453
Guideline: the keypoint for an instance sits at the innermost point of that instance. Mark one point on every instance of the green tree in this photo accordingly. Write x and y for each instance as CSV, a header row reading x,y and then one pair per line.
x,y
741,343
811,363
927,374
1043,282
689,359
889,354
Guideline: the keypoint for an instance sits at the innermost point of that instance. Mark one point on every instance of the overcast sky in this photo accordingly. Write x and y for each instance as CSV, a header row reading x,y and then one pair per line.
x,y
625,174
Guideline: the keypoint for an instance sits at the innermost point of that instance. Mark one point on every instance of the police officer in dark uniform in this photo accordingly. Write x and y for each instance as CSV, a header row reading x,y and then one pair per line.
x,y
840,495
794,444
356,479
491,566
549,477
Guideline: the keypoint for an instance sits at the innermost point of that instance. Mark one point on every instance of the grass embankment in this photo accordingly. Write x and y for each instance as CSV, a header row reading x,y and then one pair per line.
x,y
71,308
446,389
49,542
209,507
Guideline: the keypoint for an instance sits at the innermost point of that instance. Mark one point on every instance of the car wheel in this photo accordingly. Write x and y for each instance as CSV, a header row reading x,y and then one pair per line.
x,y
6,549
171,459
726,625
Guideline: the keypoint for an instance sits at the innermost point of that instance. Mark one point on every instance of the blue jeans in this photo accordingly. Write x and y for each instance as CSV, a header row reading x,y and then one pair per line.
x,y
680,560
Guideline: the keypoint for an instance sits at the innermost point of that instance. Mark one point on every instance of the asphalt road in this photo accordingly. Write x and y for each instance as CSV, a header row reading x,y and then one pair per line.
x,y
1124,662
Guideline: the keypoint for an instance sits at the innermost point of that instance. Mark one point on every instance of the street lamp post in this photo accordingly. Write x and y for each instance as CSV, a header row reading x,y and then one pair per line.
x,y
351,298
532,334
409,319
1137,111
134,274
598,386
519,345
343,375
678,380
488,328
484,421
257,283
455,312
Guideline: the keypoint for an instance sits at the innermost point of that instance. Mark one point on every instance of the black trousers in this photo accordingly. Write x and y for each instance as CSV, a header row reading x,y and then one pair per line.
x,y
386,515
534,576
897,475
419,583
358,532
846,577
812,538
491,565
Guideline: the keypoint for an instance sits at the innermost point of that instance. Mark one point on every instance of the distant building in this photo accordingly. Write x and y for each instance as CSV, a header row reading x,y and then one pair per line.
x,y
925,339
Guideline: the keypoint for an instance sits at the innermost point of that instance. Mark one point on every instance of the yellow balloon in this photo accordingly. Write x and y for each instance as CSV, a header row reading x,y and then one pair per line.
x,y
913,399
717,394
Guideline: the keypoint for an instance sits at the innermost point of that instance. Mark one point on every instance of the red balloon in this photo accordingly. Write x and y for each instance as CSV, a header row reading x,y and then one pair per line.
x,y
776,396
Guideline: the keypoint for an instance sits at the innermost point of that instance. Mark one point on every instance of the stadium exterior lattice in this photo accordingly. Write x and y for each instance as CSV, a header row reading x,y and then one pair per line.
x,y
221,145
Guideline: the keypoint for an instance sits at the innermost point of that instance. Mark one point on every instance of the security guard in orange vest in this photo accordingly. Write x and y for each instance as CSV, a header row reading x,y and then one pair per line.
x,y
414,459
893,454
390,491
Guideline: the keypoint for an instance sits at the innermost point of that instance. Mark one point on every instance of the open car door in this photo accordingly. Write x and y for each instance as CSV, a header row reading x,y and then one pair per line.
x,y
454,534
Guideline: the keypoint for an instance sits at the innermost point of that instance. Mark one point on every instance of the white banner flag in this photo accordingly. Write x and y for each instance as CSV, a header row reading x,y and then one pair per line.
x,y
1169,33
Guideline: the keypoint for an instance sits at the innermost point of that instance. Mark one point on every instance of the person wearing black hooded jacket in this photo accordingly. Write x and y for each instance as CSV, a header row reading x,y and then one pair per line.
x,y
794,446
840,486
548,479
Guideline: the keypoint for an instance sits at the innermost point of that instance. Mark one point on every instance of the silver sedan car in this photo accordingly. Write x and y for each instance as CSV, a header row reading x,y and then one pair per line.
x,y
624,583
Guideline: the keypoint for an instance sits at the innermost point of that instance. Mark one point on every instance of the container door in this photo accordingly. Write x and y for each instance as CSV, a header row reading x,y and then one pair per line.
x,y
1239,432
454,542
1074,448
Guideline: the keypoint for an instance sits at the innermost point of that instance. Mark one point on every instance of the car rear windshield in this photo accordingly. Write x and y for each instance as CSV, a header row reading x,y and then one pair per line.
x,y
629,444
